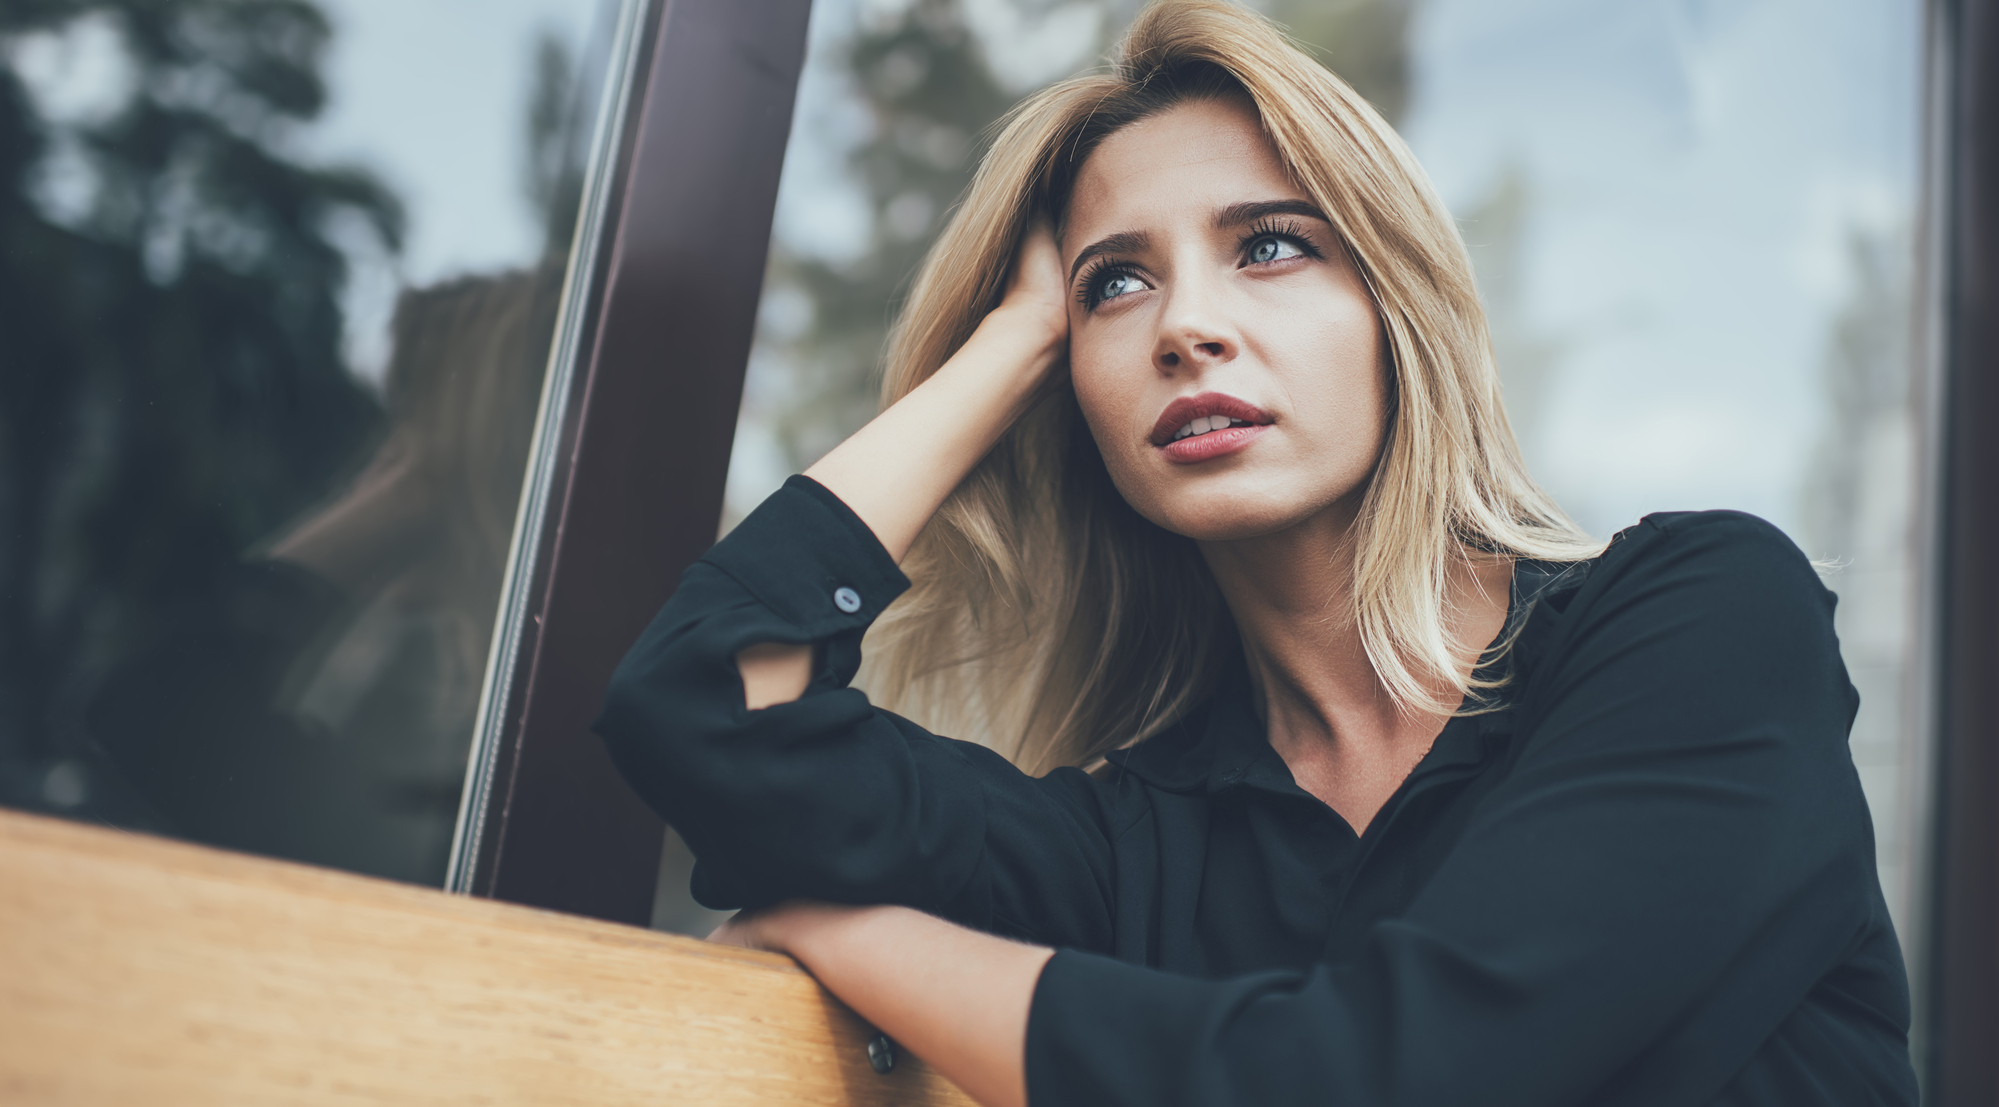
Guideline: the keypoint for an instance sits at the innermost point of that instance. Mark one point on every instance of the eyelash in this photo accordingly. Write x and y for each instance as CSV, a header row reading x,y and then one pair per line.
x,y
1093,275
1269,228
1099,268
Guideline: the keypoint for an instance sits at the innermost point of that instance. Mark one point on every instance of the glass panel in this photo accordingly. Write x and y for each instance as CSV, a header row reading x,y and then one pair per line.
x,y
1693,223
280,279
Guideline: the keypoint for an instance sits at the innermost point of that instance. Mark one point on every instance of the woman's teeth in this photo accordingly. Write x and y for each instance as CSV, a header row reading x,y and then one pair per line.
x,y
1205,424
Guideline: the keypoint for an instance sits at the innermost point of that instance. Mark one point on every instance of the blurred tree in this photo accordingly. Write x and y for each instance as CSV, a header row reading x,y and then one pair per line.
x,y
930,93
1864,475
1364,41
558,119
1863,464
173,388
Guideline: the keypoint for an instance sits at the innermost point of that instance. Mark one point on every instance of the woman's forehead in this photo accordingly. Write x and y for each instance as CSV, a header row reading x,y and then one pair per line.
x,y
1187,163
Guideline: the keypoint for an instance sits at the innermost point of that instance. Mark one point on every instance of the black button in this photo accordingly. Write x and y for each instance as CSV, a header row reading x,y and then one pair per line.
x,y
881,1053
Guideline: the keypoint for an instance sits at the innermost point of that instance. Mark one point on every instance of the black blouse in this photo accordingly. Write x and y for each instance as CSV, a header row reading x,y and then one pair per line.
x,y
1647,879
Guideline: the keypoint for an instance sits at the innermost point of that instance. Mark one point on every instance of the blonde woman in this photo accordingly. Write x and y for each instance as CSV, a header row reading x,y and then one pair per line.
x,y
1364,777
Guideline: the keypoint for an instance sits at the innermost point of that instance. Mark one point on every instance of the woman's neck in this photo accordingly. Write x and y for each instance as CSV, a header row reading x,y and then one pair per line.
x,y
1325,709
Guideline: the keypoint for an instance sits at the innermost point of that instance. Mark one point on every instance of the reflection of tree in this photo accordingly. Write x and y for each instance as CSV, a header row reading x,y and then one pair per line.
x,y
260,600
173,386
558,124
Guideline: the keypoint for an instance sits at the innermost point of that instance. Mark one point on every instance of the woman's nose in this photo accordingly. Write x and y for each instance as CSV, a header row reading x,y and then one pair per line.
x,y
1193,332
1214,351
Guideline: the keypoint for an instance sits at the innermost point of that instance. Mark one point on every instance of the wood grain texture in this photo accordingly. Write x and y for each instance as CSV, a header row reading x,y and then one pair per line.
x,y
137,970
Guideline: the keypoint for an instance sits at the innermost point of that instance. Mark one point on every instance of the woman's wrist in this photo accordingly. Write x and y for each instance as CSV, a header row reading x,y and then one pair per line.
x,y
811,932
955,997
798,928
1009,357
896,471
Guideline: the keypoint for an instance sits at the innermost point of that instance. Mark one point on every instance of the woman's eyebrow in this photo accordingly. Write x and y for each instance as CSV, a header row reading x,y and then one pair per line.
x,y
1235,215
1123,242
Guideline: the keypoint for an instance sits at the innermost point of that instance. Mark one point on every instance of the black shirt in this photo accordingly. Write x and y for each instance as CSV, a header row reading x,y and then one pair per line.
x,y
1647,879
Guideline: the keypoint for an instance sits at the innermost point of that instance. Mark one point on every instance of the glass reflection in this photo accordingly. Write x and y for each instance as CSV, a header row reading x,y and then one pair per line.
x,y
279,305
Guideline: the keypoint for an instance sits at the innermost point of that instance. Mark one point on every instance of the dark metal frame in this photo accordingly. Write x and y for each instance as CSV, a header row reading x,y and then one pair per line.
x,y
1963,1062
656,327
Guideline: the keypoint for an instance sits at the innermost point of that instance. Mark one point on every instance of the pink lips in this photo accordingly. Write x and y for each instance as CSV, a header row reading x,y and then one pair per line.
x,y
1213,444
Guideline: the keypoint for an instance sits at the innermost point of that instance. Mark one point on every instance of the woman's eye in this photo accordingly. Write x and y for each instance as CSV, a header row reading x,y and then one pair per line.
x,y
1273,248
1112,285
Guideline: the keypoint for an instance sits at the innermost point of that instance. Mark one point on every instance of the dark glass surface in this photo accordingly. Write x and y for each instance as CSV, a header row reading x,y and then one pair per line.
x,y
247,590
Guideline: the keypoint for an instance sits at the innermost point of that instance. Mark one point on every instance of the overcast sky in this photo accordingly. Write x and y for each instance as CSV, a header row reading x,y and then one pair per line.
x,y
1694,168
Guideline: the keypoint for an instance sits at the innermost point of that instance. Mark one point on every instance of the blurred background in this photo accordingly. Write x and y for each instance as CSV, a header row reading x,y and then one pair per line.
x,y
277,281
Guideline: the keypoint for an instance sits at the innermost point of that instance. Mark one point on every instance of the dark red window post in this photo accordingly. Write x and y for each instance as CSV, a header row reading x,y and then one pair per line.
x,y
630,487
1964,959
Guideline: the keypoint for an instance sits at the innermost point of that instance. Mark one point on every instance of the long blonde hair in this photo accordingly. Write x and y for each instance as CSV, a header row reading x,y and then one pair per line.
x,y
1047,618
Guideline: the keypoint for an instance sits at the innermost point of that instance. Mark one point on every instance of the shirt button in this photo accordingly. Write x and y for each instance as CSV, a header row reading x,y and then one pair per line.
x,y
847,600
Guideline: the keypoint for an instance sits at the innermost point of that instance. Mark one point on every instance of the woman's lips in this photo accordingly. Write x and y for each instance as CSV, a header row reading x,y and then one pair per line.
x,y
1214,444
1205,446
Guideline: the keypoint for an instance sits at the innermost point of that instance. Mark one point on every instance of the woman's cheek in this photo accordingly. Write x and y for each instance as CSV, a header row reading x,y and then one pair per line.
x,y
1119,448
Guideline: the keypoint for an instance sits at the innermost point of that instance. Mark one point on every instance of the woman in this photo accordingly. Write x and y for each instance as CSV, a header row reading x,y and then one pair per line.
x,y
1398,788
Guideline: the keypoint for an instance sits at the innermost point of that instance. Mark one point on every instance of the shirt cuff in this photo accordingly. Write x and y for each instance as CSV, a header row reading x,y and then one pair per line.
x,y
1099,1029
811,560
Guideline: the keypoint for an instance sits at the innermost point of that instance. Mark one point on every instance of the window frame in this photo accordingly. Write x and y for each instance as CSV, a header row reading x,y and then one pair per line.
x,y
1962,971
658,316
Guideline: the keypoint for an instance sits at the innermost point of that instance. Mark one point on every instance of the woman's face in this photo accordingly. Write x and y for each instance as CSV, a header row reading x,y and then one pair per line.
x,y
1209,292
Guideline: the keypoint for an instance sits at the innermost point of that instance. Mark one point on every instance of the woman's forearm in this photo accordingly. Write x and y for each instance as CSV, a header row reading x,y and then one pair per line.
x,y
898,470
955,997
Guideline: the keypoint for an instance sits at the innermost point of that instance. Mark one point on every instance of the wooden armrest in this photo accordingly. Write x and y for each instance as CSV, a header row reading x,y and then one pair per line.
x,y
139,970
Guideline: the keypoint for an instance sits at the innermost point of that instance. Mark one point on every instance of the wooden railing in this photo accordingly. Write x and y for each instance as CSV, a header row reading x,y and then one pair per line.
x,y
137,970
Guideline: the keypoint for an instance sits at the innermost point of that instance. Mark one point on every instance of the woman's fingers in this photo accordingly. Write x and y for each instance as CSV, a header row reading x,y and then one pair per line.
x,y
1038,266
1037,283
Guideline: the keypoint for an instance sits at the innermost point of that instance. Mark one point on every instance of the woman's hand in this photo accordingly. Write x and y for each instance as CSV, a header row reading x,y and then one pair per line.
x,y
1037,291
955,997
897,471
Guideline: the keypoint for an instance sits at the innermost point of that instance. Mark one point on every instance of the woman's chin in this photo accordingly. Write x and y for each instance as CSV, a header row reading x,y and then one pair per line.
x,y
1224,519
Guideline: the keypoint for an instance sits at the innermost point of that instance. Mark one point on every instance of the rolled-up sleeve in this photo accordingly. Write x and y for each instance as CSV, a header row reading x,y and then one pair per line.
x,y
1680,841
829,797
